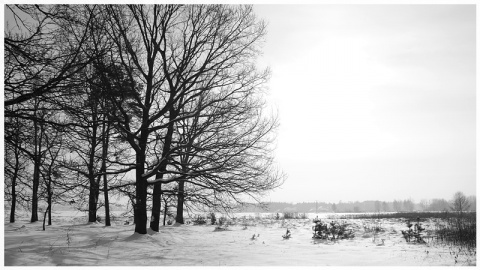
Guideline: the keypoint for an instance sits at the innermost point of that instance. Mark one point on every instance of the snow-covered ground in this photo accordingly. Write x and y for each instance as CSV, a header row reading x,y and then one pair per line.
x,y
71,241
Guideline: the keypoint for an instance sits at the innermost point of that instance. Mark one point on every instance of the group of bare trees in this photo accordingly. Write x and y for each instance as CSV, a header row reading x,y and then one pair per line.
x,y
152,102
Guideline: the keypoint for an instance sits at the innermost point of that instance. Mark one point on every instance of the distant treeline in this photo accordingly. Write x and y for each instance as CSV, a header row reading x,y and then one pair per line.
x,y
358,207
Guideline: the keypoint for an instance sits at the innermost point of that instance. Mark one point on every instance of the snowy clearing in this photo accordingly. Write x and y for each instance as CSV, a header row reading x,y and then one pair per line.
x,y
71,241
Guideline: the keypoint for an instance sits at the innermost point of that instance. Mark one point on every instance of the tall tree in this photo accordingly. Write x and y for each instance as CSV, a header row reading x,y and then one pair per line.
x,y
211,53
50,168
460,202
88,109
44,51
173,54
35,148
103,169
86,138
138,33
15,162
37,154
225,150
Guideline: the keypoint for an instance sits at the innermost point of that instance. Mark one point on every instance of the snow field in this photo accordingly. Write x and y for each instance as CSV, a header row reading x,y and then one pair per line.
x,y
94,244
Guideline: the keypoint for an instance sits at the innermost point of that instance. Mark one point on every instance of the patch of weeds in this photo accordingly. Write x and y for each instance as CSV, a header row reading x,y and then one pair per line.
x,y
373,227
458,231
459,234
199,220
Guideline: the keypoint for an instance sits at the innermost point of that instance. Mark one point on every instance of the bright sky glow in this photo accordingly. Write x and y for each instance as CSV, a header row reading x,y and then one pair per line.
x,y
376,102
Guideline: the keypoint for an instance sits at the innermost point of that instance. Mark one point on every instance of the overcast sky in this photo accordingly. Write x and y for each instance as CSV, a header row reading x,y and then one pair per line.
x,y
376,102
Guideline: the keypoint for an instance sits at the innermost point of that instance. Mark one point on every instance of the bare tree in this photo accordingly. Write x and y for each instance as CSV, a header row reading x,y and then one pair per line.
x,y
89,126
460,202
180,54
37,154
50,168
35,146
211,53
103,169
137,33
15,163
176,53
226,149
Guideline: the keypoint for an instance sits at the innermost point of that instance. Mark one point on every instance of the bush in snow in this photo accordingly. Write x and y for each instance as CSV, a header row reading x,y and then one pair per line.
x,y
199,220
213,219
331,231
415,234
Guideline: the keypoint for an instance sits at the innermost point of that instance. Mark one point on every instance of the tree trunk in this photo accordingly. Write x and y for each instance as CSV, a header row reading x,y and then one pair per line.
x,y
14,178
157,188
36,182
156,206
165,208
14,202
36,164
94,183
92,203
140,208
181,199
36,178
14,194
49,201
132,200
106,133
107,206
45,216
